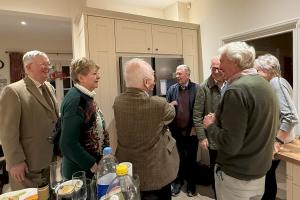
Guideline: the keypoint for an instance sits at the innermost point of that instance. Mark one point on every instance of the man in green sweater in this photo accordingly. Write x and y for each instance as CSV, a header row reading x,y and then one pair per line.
x,y
243,127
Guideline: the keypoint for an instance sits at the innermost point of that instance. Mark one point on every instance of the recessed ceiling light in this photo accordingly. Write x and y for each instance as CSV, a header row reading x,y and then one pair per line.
x,y
23,23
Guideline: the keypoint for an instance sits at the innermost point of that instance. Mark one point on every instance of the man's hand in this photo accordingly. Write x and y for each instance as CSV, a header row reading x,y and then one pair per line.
x,y
19,171
173,103
208,120
282,135
204,144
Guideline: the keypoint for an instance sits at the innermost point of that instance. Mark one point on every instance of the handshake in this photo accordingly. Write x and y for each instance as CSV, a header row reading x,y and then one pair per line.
x,y
209,119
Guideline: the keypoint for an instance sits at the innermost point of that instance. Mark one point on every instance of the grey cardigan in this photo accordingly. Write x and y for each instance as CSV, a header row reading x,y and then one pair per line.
x,y
288,113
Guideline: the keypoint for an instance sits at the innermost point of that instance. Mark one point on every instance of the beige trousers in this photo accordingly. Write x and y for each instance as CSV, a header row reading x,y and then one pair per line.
x,y
230,188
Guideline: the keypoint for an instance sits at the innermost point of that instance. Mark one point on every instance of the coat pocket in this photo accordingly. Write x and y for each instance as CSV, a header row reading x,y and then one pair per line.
x,y
169,141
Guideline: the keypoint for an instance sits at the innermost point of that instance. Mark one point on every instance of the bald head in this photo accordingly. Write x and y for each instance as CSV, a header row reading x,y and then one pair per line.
x,y
139,74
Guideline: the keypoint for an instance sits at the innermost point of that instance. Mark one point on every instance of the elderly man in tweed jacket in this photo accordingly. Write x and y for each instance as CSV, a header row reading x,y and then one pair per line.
x,y
27,121
143,138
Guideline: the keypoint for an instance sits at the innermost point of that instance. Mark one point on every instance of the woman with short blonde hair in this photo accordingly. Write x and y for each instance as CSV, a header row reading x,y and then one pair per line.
x,y
84,134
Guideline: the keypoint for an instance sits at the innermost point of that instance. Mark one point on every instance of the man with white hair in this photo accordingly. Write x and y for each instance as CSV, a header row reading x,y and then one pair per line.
x,y
143,138
29,113
182,95
244,126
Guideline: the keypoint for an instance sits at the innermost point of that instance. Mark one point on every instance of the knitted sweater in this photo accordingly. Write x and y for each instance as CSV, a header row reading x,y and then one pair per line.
x,y
247,120
83,133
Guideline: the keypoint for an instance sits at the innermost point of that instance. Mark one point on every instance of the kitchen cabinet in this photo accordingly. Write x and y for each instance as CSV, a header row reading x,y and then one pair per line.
x,y
101,46
291,154
136,37
166,40
190,52
104,36
133,37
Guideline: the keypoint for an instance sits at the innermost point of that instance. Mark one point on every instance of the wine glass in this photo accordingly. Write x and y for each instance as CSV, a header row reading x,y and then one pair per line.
x,y
55,174
91,188
65,191
79,181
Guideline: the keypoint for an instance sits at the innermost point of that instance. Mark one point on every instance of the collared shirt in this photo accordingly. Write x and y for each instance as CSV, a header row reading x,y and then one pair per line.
x,y
185,85
37,84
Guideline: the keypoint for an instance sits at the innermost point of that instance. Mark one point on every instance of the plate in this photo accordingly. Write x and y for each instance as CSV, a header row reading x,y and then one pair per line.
x,y
77,183
20,194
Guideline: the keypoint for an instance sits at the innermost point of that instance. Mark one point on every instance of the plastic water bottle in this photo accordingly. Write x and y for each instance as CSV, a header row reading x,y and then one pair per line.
x,y
122,187
106,171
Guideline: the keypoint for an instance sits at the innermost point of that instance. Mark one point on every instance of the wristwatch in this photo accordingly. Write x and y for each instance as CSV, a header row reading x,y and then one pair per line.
x,y
277,139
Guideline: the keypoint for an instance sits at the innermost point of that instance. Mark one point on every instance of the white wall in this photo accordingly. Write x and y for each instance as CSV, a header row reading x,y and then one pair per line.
x,y
123,7
218,19
177,12
62,8
171,12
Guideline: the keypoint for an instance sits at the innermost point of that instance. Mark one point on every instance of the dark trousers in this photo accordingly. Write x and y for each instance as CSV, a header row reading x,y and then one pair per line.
x,y
212,161
271,184
162,194
187,148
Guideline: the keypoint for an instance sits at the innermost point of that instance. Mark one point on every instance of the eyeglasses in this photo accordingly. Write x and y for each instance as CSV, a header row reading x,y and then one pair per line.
x,y
215,69
45,64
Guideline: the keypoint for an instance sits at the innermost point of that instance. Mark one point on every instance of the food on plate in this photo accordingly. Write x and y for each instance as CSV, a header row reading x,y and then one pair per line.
x,y
13,197
65,189
32,197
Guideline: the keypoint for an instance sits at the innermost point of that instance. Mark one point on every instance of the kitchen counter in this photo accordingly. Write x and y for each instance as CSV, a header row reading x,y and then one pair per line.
x,y
291,154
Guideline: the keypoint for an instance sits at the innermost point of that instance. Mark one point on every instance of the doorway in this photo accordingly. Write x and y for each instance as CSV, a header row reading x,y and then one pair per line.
x,y
281,46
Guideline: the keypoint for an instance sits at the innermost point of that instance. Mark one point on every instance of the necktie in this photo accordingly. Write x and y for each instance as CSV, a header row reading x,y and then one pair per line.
x,y
46,95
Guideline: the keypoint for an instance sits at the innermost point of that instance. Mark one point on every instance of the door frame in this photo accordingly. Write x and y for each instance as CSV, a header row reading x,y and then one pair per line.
x,y
293,26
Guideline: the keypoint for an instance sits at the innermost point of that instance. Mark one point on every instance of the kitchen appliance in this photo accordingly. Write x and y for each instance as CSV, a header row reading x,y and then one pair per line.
x,y
165,72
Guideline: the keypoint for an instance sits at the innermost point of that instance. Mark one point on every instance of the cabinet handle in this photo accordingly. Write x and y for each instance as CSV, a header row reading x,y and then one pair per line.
x,y
156,49
148,49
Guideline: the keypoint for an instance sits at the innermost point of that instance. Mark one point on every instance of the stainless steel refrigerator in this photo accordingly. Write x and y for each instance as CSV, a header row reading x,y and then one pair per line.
x,y
165,72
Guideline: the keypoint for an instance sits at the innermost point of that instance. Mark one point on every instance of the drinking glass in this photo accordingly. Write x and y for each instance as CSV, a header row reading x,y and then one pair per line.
x,y
79,181
66,193
91,189
55,174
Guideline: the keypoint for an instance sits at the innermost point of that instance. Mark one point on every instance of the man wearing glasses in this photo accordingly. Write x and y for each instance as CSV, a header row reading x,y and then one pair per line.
x,y
28,112
207,101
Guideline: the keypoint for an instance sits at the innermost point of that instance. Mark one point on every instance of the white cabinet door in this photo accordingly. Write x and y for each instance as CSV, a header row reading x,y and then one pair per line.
x,y
166,40
133,37
190,52
101,40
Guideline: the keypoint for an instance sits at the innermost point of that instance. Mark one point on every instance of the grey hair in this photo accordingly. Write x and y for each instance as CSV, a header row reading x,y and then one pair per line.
x,y
239,52
135,71
184,67
268,62
30,55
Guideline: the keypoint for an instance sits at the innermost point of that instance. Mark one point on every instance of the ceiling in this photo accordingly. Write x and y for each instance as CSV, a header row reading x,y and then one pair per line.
x,y
45,27
159,4
39,26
